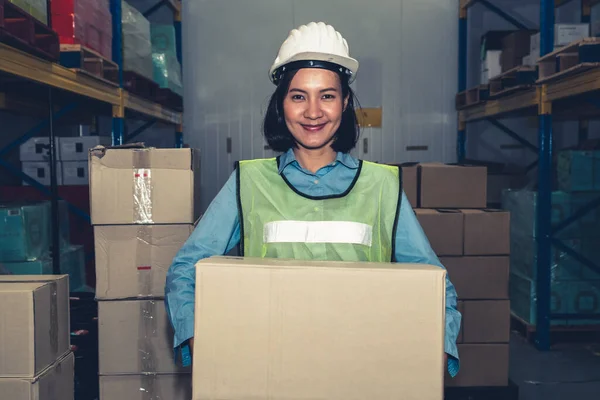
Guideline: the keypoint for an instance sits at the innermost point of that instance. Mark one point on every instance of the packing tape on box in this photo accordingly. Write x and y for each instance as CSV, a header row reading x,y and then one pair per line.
x,y
143,259
148,328
142,187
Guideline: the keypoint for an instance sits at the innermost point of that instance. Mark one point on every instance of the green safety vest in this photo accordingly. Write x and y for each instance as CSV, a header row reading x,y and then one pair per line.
x,y
277,221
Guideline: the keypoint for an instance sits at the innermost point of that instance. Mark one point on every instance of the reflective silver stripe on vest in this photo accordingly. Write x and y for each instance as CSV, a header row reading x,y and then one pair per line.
x,y
318,232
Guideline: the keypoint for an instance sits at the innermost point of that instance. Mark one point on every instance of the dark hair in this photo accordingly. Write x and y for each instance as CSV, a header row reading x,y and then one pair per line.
x,y
280,138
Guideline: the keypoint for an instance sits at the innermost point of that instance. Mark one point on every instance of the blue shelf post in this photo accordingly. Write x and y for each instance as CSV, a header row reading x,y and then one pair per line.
x,y
462,79
544,196
118,123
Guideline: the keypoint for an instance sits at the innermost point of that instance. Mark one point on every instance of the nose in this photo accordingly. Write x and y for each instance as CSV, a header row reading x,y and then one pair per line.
x,y
313,109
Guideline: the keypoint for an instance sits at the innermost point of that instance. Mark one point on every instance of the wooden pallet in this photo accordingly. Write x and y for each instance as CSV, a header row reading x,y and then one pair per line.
x,y
572,59
87,61
473,96
510,392
558,333
23,31
513,80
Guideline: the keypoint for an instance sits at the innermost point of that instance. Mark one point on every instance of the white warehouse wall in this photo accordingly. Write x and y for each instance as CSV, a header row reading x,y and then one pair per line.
x,y
408,54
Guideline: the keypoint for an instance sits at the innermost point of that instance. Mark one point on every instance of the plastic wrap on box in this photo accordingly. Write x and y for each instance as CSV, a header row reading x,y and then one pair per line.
x,y
567,297
85,22
167,70
137,47
522,206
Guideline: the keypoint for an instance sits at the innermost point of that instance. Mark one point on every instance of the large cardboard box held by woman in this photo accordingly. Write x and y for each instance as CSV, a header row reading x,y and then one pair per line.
x,y
276,329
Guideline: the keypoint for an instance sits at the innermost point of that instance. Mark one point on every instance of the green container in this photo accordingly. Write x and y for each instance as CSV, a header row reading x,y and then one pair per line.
x,y
24,232
578,171
72,262
567,297
167,70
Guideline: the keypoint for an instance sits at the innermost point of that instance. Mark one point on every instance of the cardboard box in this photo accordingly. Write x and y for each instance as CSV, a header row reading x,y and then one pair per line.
x,y
486,232
322,330
478,278
40,171
34,311
565,34
159,386
54,383
452,186
144,335
133,260
24,233
36,149
486,321
515,46
135,186
409,182
579,171
444,229
490,65
481,365
77,148
75,173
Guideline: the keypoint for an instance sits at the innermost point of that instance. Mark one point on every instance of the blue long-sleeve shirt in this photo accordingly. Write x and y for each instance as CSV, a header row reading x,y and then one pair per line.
x,y
218,232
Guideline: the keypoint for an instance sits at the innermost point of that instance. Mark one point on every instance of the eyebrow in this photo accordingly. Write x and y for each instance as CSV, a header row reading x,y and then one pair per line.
x,y
329,89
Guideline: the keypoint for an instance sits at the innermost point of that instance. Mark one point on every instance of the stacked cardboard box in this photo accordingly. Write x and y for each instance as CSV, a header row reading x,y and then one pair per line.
x,y
71,154
36,361
473,244
142,209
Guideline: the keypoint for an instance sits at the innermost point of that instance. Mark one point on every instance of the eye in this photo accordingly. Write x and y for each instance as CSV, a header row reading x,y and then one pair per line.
x,y
297,97
329,96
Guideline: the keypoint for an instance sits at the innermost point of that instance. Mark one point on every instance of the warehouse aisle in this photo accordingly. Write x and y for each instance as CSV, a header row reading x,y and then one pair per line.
x,y
570,371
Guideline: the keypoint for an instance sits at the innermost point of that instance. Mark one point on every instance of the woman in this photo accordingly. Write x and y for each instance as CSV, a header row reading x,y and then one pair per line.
x,y
315,201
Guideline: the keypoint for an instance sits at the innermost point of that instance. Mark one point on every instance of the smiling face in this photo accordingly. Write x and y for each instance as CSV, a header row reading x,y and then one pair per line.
x,y
313,107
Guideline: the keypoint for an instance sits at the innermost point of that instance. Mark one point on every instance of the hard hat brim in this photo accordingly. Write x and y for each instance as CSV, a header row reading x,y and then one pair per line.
x,y
344,62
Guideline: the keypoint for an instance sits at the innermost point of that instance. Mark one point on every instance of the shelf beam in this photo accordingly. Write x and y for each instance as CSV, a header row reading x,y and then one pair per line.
x,y
26,66
493,108
150,109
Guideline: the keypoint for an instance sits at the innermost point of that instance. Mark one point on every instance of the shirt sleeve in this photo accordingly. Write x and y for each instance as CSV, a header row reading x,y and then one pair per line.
x,y
217,233
412,246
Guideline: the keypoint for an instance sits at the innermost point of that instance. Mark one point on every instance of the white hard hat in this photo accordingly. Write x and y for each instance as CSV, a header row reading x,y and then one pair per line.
x,y
315,45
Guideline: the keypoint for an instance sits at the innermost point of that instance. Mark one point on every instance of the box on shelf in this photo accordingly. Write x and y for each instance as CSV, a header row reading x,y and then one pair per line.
x,y
36,8
139,387
566,297
137,44
78,148
522,207
444,229
132,260
490,65
40,171
486,321
564,34
24,231
316,316
35,315
479,278
452,186
483,365
84,22
145,336
54,383
486,232
515,46
75,173
143,186
36,149
579,171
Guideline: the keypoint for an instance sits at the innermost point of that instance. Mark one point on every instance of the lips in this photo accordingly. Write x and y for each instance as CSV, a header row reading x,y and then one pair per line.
x,y
313,128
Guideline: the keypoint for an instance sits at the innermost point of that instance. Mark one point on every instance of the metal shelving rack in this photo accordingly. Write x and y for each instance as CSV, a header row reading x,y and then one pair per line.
x,y
567,98
34,86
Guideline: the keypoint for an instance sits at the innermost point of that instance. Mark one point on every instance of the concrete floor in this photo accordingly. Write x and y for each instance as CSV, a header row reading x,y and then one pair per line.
x,y
568,372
